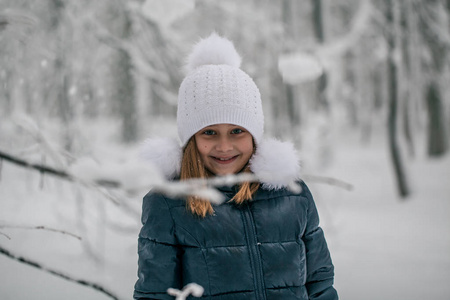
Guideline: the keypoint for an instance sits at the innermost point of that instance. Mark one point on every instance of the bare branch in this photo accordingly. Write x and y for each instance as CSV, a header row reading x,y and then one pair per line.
x,y
58,173
32,263
38,167
7,236
198,187
203,188
330,180
42,228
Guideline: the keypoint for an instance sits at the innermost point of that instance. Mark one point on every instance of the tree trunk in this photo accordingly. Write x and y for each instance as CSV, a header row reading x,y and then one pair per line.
x,y
437,140
322,82
395,153
437,135
126,98
405,40
125,86
65,110
392,129
291,109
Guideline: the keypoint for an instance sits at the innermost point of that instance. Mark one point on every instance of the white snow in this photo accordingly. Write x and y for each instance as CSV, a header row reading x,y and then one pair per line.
x,y
164,12
190,289
299,67
382,247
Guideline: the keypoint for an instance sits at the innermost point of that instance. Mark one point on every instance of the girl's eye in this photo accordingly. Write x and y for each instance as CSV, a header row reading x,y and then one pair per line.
x,y
236,131
209,132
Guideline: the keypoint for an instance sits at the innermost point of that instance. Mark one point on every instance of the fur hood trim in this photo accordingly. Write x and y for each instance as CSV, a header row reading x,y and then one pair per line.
x,y
275,163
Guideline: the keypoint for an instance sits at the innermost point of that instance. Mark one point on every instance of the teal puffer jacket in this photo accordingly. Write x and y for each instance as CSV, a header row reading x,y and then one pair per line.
x,y
269,248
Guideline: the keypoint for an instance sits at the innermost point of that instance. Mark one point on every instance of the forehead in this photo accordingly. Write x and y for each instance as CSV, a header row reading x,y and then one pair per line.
x,y
222,126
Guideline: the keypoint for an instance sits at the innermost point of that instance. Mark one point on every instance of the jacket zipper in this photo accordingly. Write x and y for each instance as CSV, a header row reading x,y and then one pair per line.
x,y
255,256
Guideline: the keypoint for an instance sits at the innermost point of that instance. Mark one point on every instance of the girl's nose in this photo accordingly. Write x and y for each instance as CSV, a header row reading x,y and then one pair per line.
x,y
224,144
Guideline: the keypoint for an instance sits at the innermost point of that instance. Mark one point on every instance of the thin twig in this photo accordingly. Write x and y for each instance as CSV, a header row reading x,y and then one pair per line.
x,y
38,167
42,228
7,236
29,262
58,173
170,188
329,180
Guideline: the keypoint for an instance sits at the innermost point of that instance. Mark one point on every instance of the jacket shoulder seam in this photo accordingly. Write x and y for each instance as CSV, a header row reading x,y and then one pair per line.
x,y
158,242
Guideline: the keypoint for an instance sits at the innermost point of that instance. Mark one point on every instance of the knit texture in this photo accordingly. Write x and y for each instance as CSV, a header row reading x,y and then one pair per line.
x,y
218,93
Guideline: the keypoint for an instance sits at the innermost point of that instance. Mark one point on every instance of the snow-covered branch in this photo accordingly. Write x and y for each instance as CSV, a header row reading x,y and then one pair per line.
x,y
139,62
203,188
190,289
43,169
136,177
308,65
39,266
358,25
55,153
329,180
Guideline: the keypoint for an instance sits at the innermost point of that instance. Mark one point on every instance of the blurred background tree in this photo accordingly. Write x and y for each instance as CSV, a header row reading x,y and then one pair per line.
x,y
107,72
122,60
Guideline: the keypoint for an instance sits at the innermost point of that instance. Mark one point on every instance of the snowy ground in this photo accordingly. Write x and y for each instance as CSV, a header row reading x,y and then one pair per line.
x,y
383,248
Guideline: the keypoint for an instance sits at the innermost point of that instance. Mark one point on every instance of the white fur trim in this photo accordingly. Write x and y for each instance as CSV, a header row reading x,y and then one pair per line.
x,y
276,164
213,50
164,153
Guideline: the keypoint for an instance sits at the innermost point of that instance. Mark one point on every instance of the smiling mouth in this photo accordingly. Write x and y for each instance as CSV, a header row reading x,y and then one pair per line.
x,y
224,160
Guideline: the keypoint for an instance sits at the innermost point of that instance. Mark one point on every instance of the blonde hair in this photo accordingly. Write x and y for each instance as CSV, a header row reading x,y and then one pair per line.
x,y
192,166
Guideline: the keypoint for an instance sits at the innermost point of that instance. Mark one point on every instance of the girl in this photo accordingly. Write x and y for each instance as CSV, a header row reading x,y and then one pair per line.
x,y
265,241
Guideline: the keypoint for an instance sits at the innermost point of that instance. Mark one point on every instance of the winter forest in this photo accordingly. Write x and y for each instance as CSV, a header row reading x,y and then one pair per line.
x,y
360,87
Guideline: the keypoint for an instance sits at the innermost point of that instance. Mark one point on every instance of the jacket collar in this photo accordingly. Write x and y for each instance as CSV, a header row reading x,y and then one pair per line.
x,y
275,163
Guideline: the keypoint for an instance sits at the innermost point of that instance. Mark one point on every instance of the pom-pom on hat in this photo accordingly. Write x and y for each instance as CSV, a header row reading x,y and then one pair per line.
x,y
217,91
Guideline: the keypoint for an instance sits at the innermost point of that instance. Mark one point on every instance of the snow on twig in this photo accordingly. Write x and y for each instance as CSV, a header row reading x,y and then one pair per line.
x,y
55,172
27,124
359,24
193,187
190,289
32,263
329,180
203,188
138,60
134,177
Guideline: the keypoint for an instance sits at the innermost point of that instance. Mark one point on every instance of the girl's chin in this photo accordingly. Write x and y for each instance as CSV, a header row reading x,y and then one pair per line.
x,y
223,170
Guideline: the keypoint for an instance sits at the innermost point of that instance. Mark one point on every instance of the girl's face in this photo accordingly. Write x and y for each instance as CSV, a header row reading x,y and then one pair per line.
x,y
224,148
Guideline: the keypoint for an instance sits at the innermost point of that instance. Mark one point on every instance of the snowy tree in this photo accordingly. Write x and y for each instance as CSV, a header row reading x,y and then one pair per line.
x,y
433,21
82,83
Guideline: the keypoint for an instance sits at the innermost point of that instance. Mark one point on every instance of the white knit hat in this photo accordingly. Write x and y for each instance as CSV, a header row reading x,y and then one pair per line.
x,y
217,91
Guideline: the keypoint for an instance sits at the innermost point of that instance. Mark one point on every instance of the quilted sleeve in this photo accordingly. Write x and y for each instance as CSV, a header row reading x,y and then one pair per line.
x,y
320,269
159,255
